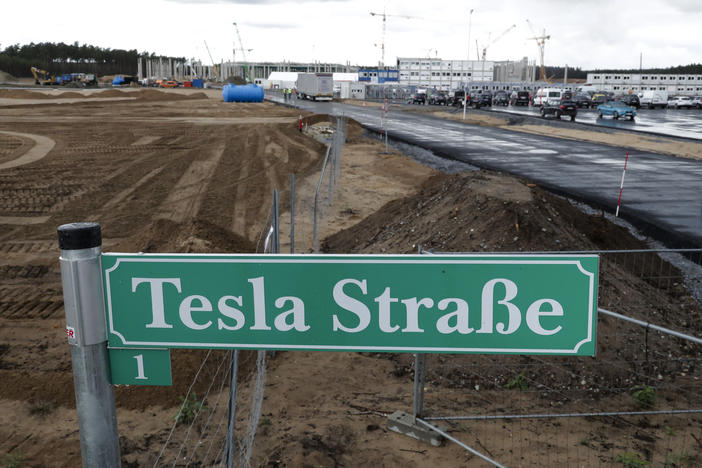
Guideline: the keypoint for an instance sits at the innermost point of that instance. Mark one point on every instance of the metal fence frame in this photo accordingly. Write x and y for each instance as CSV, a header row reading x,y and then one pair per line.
x,y
420,360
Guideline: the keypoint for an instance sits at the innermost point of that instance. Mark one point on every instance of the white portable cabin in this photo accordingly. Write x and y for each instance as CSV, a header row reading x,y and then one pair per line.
x,y
280,80
348,90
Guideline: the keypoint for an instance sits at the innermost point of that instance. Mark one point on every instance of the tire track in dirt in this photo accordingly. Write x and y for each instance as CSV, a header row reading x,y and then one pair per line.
x,y
42,146
117,199
184,200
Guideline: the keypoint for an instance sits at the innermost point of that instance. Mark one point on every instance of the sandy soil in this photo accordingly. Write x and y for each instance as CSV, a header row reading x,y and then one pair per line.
x,y
176,173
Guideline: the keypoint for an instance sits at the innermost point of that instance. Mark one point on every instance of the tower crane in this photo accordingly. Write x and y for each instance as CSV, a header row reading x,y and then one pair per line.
x,y
243,51
385,16
541,43
497,39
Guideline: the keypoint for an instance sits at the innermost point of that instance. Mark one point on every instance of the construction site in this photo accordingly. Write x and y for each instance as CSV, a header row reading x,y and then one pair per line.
x,y
180,171
237,160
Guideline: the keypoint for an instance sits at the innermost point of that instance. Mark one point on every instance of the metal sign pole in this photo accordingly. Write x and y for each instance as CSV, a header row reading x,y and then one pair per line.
x,y
81,248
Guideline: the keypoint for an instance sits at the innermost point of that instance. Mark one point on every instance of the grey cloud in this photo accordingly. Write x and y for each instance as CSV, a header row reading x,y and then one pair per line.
x,y
685,6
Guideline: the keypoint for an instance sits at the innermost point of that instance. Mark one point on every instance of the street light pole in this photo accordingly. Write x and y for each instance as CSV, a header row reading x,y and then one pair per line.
x,y
465,86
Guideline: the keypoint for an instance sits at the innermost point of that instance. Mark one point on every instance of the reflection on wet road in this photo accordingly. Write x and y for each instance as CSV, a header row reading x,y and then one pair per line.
x,y
686,123
660,190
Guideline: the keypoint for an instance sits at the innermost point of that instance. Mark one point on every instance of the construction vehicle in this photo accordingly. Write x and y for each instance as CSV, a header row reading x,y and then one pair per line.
x,y
43,77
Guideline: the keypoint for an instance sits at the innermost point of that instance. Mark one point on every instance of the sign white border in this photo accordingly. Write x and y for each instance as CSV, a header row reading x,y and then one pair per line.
x,y
494,259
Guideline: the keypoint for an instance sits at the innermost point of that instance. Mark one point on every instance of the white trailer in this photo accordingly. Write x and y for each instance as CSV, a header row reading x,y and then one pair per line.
x,y
315,86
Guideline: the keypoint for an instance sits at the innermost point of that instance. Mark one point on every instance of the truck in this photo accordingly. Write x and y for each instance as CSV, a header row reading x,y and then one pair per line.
x,y
315,86
652,99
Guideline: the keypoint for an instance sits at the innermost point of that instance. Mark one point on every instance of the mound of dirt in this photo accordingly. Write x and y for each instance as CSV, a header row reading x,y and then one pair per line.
x,y
6,77
480,211
484,212
22,94
196,236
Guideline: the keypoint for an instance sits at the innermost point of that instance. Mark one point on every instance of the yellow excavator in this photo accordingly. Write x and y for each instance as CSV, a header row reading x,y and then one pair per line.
x,y
42,77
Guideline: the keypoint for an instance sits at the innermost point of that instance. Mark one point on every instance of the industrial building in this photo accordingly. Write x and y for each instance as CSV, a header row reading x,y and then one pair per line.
x,y
672,83
454,74
180,70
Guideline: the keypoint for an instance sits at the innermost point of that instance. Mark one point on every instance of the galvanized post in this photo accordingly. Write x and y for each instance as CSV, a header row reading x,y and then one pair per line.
x,y
315,236
292,213
231,421
275,248
81,276
420,373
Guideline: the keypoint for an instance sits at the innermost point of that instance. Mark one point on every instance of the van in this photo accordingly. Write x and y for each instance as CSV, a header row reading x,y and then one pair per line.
x,y
652,99
552,96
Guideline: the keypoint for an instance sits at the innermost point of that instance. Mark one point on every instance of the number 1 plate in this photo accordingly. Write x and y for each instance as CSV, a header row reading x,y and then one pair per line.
x,y
140,366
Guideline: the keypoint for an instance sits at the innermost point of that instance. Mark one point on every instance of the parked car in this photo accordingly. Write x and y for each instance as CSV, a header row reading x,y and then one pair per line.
x,y
457,99
677,102
616,109
597,99
419,98
437,99
520,98
565,107
501,99
582,100
480,99
697,102
631,100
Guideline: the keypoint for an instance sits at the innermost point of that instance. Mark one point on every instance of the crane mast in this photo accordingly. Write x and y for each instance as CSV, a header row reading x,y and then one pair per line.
x,y
382,45
243,51
541,43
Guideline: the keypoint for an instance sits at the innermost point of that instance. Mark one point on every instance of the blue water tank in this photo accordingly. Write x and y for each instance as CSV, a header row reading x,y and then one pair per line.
x,y
245,93
118,80
197,83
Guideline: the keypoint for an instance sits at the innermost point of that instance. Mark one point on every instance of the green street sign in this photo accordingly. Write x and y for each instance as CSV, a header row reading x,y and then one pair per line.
x,y
140,366
505,304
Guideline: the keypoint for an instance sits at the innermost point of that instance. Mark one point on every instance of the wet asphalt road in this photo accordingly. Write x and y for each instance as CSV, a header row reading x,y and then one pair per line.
x,y
686,123
662,194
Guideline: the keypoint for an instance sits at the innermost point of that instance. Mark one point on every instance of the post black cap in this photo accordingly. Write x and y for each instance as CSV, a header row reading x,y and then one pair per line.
x,y
76,236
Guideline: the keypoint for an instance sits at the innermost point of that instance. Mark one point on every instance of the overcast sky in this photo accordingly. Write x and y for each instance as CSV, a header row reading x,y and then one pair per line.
x,y
584,33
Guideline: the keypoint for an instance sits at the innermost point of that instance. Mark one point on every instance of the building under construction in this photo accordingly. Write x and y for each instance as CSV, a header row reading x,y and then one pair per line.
x,y
159,68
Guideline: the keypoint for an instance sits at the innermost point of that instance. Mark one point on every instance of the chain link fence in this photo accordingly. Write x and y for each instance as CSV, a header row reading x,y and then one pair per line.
x,y
638,402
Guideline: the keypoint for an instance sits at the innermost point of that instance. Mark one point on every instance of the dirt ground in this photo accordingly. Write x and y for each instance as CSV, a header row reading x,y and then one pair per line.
x,y
185,172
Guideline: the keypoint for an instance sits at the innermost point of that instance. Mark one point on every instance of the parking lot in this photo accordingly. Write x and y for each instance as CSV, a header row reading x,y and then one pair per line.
x,y
686,123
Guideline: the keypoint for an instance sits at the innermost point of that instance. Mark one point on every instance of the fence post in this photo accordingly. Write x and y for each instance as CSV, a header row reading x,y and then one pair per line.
x,y
231,411
420,373
292,213
275,248
81,277
315,237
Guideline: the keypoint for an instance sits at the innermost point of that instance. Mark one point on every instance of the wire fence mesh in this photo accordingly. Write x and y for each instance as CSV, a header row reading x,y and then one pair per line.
x,y
315,192
639,400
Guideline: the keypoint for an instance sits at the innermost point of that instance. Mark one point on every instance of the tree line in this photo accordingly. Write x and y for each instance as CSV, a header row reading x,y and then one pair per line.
x,y
60,58
557,73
